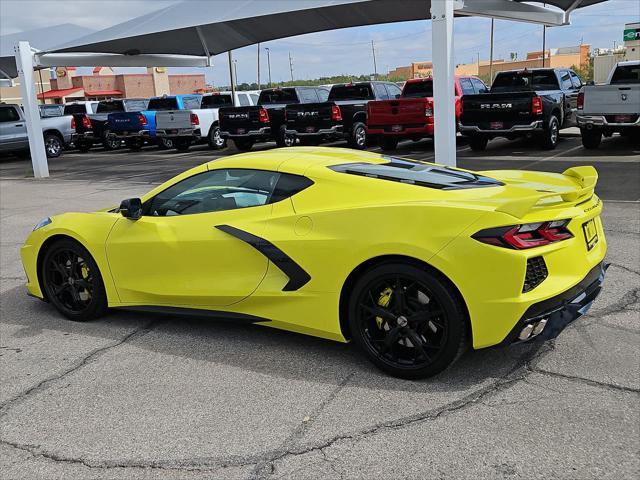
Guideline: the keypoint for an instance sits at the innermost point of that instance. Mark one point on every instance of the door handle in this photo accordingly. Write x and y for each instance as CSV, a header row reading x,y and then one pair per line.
x,y
19,125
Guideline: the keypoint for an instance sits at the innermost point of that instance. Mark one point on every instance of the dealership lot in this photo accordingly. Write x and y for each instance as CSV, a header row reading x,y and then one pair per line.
x,y
142,395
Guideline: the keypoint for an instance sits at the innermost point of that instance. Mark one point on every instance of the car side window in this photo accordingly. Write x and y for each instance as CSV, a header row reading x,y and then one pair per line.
x,y
244,100
575,80
323,94
393,90
8,114
466,86
381,92
565,81
479,85
254,98
214,191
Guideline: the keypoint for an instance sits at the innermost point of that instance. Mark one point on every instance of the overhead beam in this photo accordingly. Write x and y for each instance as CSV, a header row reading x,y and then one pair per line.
x,y
509,10
116,60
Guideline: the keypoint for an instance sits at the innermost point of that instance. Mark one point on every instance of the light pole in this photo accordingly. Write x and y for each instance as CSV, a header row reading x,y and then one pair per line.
x,y
232,77
375,66
291,66
269,63
490,56
235,69
258,66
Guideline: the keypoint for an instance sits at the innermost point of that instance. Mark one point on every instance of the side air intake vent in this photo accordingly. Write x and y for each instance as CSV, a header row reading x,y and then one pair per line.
x,y
536,273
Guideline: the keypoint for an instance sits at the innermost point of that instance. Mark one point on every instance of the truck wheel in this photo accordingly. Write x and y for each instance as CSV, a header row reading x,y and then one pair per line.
x,y
134,144
53,145
551,134
387,144
215,140
358,139
166,143
243,144
110,143
591,138
182,144
284,139
478,143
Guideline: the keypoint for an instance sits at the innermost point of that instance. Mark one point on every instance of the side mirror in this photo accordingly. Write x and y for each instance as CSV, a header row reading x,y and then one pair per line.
x,y
131,208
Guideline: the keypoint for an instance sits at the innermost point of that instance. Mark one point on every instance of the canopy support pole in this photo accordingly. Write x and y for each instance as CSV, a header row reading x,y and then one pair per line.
x,y
24,64
443,83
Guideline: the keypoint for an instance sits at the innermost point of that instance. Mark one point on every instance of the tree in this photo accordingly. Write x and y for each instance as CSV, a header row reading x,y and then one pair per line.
x,y
586,72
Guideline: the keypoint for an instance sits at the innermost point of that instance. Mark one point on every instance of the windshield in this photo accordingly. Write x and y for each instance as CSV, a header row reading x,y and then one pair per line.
x,y
108,107
525,81
418,89
168,103
280,95
351,92
417,173
626,74
216,100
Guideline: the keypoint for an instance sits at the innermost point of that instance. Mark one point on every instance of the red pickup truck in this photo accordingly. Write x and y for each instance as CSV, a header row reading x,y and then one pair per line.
x,y
411,115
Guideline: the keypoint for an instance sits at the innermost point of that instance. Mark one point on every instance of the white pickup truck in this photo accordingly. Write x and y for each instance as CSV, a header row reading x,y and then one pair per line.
x,y
611,108
186,127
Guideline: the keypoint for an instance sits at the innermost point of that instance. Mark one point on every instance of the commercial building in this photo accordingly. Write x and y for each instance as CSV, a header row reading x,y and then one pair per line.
x,y
605,58
12,94
415,70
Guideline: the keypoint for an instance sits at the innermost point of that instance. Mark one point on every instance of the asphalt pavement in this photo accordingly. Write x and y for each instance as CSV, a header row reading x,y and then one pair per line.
x,y
155,396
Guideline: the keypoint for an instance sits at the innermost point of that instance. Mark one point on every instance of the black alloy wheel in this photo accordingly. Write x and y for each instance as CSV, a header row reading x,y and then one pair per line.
x,y
110,142
408,321
165,143
72,282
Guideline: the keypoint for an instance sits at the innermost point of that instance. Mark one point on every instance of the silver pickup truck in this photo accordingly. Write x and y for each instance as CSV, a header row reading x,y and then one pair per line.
x,y
58,131
611,108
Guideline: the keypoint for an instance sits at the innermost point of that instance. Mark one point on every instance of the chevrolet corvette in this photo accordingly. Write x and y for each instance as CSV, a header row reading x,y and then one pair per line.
x,y
414,262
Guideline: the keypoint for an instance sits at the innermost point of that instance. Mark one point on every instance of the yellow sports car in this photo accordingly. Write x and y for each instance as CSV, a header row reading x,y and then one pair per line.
x,y
412,261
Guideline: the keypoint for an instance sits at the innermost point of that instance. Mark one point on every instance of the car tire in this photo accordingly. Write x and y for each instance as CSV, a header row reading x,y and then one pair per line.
x,y
551,134
71,281
53,145
591,139
244,145
478,143
409,321
388,144
166,143
135,144
214,139
110,144
358,136
285,139
182,144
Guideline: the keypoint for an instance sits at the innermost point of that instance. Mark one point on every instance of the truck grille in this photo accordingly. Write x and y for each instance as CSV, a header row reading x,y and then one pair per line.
x,y
536,273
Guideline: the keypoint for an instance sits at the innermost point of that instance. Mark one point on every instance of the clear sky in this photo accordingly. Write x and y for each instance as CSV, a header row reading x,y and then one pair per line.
x,y
345,51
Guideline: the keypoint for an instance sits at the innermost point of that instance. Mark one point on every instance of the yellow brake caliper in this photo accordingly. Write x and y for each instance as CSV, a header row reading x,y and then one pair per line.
x,y
383,301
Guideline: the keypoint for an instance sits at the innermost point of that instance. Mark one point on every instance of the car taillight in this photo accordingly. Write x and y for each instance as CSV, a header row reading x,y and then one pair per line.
x,y
580,101
142,119
194,119
536,105
428,110
73,123
336,113
263,115
525,236
86,122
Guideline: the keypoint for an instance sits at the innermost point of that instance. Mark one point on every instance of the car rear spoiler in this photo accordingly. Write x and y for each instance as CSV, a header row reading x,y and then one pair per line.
x,y
585,178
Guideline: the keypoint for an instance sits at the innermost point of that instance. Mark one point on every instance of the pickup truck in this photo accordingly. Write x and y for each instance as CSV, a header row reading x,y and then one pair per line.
x,y
522,103
80,111
100,119
265,121
342,116
611,108
130,126
168,103
181,128
58,131
411,115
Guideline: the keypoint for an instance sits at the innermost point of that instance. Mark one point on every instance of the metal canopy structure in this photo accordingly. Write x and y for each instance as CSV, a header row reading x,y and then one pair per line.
x,y
191,32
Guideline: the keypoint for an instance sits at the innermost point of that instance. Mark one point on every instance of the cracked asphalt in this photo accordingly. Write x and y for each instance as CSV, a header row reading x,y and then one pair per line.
x,y
154,396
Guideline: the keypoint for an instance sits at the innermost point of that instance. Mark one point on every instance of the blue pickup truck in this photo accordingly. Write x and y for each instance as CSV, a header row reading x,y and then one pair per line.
x,y
165,103
126,123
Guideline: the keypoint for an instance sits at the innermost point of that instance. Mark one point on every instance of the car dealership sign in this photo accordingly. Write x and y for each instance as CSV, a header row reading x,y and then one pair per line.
x,y
631,34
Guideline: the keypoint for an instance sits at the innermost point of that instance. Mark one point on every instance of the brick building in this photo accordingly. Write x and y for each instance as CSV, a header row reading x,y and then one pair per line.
x,y
105,83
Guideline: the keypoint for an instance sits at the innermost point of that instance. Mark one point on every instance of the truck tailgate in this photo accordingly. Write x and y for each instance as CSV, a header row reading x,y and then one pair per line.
x,y
240,120
125,122
408,111
309,117
611,99
173,119
497,110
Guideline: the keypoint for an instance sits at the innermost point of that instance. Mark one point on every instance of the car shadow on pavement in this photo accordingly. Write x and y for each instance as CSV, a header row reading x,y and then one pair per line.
x,y
253,348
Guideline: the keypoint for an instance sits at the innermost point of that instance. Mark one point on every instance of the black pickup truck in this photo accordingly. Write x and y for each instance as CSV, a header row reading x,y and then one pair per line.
x,y
523,103
265,122
101,130
342,116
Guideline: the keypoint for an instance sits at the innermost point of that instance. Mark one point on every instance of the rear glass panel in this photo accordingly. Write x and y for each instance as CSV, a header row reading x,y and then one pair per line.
x,y
351,92
626,74
418,89
108,107
159,104
525,81
417,173
74,108
281,95
215,101
136,105
47,111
